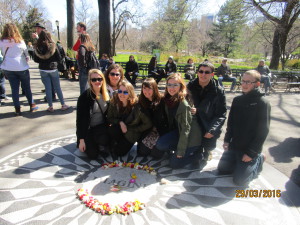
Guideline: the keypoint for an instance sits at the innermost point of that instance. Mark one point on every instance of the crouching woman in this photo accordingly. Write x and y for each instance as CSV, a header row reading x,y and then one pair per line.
x,y
184,136
126,120
91,122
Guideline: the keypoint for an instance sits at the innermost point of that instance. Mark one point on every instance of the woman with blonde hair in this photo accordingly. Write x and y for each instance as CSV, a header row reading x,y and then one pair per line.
x,y
126,120
184,135
15,65
91,123
85,47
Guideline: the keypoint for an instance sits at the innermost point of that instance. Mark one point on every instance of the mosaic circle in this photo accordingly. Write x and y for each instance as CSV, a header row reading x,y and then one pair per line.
x,y
39,183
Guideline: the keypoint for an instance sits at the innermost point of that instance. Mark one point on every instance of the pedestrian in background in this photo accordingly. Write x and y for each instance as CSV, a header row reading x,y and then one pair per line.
x,y
47,56
15,65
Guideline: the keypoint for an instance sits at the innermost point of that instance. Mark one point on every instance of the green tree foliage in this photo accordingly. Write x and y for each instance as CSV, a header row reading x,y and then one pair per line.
x,y
173,21
33,16
227,29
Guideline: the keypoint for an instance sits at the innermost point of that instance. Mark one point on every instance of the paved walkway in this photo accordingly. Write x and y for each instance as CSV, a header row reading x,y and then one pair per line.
x,y
41,169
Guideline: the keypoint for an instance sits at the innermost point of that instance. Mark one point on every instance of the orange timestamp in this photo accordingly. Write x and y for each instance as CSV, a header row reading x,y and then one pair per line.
x,y
263,193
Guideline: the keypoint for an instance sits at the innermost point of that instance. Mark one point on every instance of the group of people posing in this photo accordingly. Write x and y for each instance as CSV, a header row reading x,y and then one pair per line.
x,y
183,123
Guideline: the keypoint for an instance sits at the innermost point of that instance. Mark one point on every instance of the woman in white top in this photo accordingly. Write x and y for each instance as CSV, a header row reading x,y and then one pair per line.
x,y
15,66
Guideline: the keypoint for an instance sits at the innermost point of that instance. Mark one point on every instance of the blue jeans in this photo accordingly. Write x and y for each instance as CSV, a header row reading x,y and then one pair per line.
x,y
47,77
243,172
229,79
266,81
15,78
83,77
168,142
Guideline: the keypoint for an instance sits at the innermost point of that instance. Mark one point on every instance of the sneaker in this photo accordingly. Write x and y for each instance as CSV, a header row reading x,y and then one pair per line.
x,y
50,109
34,107
64,107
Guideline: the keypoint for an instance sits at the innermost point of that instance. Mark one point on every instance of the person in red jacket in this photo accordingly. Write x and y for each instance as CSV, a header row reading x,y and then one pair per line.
x,y
81,29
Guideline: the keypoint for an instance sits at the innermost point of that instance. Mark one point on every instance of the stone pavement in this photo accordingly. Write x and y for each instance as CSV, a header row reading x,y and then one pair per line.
x,y
41,169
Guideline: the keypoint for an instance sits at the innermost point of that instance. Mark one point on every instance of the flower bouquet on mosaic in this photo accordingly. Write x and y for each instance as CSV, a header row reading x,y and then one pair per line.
x,y
106,208
129,165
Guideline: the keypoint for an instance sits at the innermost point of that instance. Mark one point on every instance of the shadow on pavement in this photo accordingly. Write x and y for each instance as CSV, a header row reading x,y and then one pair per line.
x,y
284,153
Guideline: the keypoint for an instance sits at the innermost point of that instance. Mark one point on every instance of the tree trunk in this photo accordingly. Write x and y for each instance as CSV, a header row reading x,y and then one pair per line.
x,y
104,27
70,23
274,64
278,46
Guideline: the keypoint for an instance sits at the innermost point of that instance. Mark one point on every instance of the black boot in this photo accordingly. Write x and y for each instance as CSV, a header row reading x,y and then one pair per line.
x,y
18,111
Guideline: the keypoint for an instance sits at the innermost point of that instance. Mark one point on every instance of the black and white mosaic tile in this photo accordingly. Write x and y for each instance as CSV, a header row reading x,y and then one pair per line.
x,y
38,186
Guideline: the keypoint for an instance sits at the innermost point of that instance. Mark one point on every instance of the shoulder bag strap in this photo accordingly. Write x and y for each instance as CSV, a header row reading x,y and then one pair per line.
x,y
5,54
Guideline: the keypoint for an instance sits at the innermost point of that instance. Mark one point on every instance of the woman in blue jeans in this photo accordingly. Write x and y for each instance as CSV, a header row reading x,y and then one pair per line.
x,y
15,65
184,136
47,55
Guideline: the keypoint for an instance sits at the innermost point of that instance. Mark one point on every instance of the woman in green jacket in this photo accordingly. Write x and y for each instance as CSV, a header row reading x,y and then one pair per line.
x,y
184,136
126,120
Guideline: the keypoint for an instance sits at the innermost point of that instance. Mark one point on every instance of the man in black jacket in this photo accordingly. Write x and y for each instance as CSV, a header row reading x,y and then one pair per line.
x,y
132,70
209,103
247,128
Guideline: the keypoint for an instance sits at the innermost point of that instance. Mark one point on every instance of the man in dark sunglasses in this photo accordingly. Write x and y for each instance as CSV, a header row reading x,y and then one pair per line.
x,y
209,105
132,70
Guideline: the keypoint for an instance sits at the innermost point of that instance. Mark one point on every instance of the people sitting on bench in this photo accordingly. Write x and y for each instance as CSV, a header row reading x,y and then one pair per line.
x,y
190,70
265,76
224,73
154,71
131,70
170,67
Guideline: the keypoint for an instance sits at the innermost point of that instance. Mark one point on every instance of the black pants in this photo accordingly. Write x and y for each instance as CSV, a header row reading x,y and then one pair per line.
x,y
120,146
97,136
131,78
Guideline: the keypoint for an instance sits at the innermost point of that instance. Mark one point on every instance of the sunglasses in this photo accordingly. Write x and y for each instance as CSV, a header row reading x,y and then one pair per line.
x,y
206,72
114,74
173,85
124,92
97,79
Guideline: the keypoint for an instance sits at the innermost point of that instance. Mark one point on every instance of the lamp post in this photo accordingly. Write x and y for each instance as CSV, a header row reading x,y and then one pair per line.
x,y
57,25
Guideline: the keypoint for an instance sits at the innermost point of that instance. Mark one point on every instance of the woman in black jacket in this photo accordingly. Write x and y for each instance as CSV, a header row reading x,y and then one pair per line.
x,y
152,104
91,123
154,71
47,56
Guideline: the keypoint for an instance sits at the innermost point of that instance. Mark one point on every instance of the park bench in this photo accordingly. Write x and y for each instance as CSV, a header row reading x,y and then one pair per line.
x,y
286,80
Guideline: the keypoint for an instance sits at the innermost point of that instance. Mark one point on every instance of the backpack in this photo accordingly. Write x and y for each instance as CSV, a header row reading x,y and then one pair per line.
x,y
91,60
61,64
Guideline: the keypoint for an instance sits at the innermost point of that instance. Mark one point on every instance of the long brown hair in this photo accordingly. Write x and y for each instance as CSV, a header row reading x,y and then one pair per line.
x,y
44,39
114,67
182,91
103,89
11,31
86,41
144,102
132,99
